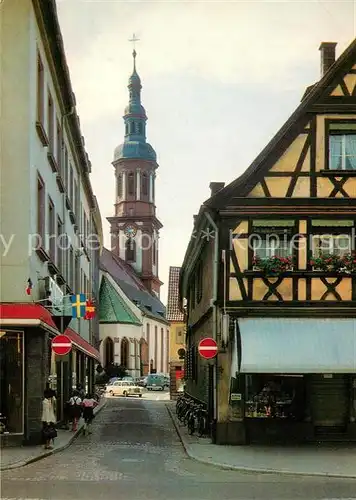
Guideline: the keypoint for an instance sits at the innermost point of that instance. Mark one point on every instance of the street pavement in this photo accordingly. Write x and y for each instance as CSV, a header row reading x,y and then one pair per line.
x,y
135,453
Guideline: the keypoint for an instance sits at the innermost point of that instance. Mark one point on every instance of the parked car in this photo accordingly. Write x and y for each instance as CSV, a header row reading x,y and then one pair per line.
x,y
142,381
124,388
156,382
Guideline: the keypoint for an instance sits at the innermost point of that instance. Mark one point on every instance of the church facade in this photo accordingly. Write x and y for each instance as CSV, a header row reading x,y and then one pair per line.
x,y
134,331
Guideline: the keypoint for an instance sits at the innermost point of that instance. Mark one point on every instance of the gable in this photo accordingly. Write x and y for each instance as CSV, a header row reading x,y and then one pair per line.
x,y
292,164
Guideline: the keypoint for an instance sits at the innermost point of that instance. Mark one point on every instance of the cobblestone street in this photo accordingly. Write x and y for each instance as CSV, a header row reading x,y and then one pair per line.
x,y
135,453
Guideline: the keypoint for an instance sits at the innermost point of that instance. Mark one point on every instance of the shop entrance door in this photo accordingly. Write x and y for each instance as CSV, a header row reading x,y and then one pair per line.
x,y
329,400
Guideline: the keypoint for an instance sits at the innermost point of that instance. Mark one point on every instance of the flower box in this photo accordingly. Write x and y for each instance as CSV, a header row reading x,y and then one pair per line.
x,y
335,263
272,266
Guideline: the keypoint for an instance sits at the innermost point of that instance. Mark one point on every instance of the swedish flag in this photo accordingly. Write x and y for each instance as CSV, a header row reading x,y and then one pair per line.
x,y
79,303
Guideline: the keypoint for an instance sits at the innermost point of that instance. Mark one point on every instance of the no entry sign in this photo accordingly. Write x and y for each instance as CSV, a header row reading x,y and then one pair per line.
x,y
61,345
208,348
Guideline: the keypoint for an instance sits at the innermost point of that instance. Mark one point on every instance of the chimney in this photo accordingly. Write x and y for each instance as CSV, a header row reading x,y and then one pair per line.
x,y
327,59
215,187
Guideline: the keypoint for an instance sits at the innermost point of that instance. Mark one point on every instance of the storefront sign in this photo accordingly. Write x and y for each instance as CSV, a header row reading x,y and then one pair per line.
x,y
235,397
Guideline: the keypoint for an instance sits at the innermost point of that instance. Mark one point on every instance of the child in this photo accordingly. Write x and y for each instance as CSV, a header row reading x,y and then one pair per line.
x,y
76,410
89,403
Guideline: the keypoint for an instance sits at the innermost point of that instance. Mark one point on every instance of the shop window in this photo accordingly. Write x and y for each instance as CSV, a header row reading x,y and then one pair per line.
x,y
269,396
11,382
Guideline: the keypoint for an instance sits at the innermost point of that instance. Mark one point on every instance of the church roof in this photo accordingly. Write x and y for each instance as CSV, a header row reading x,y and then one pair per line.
x,y
112,307
135,150
174,312
129,282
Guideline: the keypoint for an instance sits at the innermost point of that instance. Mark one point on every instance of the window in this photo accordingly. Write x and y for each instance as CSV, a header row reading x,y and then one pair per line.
x,y
65,173
71,268
131,250
51,244
50,121
126,129
162,350
199,278
140,128
180,336
119,186
71,183
331,244
40,91
60,244
77,287
154,252
59,147
131,184
11,381
144,184
271,245
41,209
342,151
156,347
132,127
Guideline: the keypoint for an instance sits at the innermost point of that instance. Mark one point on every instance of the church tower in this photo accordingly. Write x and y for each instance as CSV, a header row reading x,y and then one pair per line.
x,y
135,227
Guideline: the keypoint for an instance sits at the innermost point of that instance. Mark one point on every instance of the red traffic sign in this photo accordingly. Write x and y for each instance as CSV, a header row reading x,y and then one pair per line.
x,y
208,348
61,345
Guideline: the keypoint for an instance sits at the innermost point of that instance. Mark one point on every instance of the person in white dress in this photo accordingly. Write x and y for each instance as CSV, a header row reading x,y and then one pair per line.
x,y
49,418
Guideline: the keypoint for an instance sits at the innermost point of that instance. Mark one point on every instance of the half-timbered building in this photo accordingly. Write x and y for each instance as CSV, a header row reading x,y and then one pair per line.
x,y
270,273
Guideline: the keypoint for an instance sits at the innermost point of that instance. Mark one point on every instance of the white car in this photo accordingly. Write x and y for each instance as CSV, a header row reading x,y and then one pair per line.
x,y
123,388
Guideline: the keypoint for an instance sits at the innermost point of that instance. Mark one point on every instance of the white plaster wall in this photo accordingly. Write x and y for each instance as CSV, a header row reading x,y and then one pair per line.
x,y
22,155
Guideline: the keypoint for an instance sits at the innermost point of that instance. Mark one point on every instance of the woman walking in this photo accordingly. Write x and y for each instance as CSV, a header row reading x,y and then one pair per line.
x,y
76,410
48,418
89,403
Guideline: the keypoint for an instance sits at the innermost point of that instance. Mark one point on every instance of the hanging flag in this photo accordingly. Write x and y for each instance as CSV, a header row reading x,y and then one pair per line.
x,y
90,310
29,286
79,304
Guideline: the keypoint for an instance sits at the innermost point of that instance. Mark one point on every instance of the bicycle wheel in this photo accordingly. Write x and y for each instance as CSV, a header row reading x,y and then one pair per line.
x,y
202,426
191,425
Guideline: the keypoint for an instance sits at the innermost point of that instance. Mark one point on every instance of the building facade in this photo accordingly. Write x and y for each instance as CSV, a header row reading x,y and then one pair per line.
x,y
275,281
140,344
51,245
134,331
176,318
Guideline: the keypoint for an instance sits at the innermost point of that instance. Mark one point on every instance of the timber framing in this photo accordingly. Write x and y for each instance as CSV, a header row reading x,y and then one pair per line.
x,y
294,188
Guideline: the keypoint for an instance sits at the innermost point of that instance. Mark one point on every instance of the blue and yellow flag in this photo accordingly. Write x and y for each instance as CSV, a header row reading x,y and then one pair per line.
x,y
79,303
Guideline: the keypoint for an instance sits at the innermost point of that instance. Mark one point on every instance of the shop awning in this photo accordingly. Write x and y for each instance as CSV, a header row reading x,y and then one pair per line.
x,y
30,314
297,346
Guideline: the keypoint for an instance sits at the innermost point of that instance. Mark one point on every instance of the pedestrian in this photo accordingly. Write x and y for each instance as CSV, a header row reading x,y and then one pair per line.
x,y
76,409
49,419
89,403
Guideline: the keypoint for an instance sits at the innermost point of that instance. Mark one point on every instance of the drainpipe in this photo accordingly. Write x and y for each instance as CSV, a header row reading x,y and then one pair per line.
x,y
215,264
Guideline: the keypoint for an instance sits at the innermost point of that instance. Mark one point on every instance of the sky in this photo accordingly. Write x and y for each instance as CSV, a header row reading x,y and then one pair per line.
x,y
219,79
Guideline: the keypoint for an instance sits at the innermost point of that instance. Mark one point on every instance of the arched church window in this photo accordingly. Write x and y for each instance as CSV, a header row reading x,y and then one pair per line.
x,y
130,250
131,184
132,127
119,186
144,184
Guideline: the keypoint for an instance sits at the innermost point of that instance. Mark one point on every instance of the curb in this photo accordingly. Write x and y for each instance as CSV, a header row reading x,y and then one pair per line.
x,y
248,469
31,460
